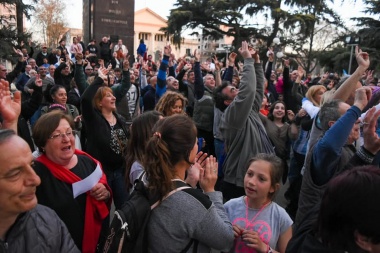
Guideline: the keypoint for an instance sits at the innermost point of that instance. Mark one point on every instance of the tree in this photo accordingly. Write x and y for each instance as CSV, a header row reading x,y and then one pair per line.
x,y
370,33
11,36
313,29
21,10
224,17
297,22
50,17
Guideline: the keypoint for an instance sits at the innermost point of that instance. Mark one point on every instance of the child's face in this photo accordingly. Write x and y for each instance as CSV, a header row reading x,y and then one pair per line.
x,y
257,181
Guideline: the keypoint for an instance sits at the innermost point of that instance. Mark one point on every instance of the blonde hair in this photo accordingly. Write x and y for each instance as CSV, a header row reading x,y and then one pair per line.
x,y
311,93
168,100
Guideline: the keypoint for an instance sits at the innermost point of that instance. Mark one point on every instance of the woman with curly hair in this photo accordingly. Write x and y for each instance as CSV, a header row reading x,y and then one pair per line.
x,y
171,103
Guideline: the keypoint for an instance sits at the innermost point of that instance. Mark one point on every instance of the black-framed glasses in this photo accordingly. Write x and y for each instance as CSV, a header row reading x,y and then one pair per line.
x,y
62,135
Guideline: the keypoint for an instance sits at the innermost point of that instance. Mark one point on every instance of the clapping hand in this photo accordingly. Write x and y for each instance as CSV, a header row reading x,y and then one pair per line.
x,y
195,170
208,178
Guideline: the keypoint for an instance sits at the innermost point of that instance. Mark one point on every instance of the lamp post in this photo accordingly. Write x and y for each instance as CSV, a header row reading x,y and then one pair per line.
x,y
351,41
227,48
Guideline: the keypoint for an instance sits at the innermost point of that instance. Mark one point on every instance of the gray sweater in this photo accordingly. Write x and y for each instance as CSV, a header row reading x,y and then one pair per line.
x,y
242,130
38,230
190,214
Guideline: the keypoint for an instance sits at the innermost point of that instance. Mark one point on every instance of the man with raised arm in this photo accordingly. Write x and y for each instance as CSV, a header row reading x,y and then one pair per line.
x,y
242,130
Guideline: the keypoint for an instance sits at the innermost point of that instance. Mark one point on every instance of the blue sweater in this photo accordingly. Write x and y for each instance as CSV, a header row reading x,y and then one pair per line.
x,y
327,151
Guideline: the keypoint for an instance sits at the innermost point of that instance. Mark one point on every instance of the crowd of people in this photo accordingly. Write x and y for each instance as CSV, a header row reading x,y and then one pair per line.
x,y
233,132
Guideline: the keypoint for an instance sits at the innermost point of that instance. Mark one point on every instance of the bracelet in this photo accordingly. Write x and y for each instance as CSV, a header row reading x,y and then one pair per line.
x,y
269,249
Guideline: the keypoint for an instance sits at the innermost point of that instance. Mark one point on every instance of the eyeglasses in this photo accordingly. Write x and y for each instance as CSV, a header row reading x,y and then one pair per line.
x,y
68,134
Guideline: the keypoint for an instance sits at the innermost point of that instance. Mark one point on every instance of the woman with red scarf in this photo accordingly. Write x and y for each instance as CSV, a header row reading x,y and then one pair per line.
x,y
59,167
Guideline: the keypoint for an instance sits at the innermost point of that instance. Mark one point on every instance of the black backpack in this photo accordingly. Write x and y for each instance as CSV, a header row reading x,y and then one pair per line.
x,y
127,232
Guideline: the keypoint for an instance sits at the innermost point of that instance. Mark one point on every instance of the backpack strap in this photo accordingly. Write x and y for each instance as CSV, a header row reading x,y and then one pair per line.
x,y
179,186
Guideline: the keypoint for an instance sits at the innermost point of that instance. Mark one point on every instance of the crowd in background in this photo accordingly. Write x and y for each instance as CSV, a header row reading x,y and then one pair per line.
x,y
234,131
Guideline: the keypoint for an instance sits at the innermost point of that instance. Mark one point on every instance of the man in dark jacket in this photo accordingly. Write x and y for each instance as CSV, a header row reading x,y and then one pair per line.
x,y
42,55
105,50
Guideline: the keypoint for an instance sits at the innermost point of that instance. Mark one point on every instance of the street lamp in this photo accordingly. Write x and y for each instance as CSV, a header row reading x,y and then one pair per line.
x,y
351,41
277,50
227,48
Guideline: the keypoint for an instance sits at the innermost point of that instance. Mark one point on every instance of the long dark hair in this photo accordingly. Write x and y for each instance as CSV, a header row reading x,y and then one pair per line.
x,y
141,131
172,141
271,109
351,204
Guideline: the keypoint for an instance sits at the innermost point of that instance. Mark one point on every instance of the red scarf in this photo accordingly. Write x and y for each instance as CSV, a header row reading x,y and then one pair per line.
x,y
96,211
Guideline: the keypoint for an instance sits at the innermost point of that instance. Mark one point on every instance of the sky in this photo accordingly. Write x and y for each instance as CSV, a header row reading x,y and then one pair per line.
x,y
162,7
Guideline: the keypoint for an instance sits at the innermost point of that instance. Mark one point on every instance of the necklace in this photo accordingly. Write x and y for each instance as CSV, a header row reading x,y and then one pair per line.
x,y
112,122
257,214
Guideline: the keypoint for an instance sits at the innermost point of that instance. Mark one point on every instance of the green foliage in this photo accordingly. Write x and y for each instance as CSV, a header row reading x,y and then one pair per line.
x,y
312,29
246,19
11,36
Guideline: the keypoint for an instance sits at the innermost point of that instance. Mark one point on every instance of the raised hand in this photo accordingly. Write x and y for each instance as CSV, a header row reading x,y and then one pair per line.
x,y
244,51
10,109
231,59
254,54
270,54
78,56
362,58
102,73
371,139
188,66
291,115
125,63
38,81
19,53
217,63
362,96
197,55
